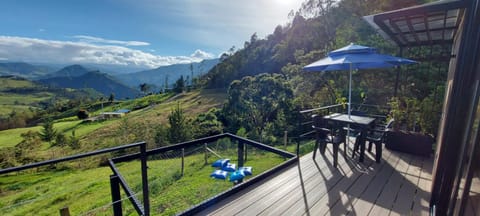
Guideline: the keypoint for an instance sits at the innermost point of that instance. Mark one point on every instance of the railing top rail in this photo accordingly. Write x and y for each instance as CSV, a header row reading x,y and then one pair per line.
x,y
372,105
202,141
321,108
69,158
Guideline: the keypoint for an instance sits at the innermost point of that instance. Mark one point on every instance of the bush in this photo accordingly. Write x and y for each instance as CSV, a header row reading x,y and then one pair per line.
x,y
82,114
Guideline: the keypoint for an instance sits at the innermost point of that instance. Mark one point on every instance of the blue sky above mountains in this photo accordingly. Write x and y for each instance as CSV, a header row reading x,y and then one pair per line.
x,y
140,33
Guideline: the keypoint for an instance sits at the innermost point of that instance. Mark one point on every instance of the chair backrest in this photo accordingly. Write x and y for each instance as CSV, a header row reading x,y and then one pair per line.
x,y
389,123
321,126
358,113
319,121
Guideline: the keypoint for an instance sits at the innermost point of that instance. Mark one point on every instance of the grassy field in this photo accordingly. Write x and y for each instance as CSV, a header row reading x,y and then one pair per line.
x,y
7,83
87,192
84,188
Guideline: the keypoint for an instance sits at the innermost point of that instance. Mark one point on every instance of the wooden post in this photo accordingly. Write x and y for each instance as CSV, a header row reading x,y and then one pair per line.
x,y
183,161
206,153
240,154
64,211
116,197
245,158
143,164
285,133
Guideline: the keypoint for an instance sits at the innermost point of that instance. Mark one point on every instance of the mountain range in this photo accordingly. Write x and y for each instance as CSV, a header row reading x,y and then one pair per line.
x,y
121,84
25,70
101,82
168,74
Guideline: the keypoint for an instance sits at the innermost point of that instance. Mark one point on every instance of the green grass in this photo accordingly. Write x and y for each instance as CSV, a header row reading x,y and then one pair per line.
x,y
45,192
84,190
11,137
7,83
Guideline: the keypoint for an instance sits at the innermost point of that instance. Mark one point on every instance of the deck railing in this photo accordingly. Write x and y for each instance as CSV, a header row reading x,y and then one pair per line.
x,y
117,180
305,122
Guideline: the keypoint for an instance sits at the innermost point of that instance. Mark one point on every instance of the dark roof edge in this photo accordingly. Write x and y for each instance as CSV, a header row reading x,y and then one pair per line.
x,y
374,19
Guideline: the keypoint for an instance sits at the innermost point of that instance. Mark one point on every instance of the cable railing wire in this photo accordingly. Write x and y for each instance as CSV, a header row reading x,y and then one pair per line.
x,y
109,204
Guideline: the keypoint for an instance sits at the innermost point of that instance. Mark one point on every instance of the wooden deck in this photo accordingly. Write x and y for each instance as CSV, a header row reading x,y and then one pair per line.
x,y
399,185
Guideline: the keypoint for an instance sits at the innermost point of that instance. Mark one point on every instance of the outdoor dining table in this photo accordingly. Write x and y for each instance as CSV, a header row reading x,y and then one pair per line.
x,y
363,123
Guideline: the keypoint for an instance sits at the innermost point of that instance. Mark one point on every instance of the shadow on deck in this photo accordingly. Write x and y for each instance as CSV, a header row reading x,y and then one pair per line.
x,y
399,185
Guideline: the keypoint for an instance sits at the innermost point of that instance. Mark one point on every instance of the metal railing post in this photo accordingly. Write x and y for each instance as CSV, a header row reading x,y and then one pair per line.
x,y
143,158
240,154
115,190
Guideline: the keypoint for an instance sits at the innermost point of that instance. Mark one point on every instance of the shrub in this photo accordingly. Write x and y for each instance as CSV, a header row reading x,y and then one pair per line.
x,y
82,114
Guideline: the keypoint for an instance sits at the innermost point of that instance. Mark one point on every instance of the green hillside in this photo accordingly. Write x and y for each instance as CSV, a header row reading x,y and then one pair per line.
x,y
23,102
101,82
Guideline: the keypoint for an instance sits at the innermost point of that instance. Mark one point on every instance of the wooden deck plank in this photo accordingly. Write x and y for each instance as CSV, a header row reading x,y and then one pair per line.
x,y
323,185
299,200
323,205
406,196
251,195
350,196
314,187
389,191
369,197
421,205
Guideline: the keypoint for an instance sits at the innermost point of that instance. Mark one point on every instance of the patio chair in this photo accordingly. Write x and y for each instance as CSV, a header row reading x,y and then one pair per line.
x,y
377,137
325,136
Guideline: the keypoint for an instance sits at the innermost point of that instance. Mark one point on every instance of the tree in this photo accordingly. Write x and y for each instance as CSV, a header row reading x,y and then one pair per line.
x,y
179,86
74,142
48,132
111,98
82,114
144,87
256,102
207,124
179,130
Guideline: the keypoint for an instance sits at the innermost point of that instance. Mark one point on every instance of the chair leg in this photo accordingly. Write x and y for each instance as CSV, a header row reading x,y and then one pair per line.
x,y
356,146
369,146
345,148
335,154
322,147
378,151
315,149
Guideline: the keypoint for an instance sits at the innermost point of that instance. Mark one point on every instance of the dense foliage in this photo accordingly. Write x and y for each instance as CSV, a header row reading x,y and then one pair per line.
x,y
317,28
261,104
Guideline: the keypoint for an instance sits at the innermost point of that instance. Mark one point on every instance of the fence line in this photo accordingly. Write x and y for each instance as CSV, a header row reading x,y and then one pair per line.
x,y
109,204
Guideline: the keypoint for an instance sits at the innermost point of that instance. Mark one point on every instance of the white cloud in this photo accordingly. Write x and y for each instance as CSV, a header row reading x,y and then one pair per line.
x,y
91,39
69,52
202,55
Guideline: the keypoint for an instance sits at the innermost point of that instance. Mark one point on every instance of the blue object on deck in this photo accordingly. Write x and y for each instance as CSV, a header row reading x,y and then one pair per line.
x,y
219,174
245,170
220,163
236,176
229,167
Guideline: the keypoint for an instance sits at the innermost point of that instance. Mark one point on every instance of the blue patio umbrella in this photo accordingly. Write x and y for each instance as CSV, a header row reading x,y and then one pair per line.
x,y
354,57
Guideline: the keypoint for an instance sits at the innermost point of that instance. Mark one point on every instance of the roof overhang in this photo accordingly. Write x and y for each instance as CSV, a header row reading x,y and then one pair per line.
x,y
428,24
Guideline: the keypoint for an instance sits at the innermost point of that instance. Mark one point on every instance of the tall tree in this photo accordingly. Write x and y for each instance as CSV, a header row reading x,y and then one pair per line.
x,y
259,104
111,98
144,87
179,86
179,130
48,132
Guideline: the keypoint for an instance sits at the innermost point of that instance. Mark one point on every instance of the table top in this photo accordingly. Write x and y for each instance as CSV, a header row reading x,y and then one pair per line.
x,y
354,119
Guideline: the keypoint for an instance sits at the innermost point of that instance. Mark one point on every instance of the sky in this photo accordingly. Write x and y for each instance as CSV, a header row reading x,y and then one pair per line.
x,y
133,33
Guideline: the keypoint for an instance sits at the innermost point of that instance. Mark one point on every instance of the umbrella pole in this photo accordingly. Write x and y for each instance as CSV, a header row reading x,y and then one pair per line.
x,y
349,102
350,91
